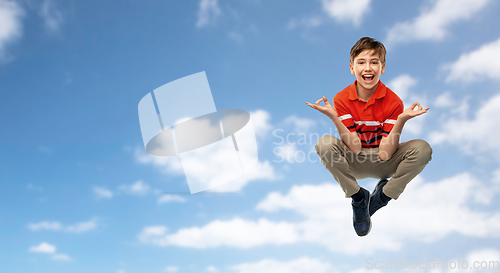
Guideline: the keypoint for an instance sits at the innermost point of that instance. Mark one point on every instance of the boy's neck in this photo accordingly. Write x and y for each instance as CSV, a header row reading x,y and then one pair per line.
x,y
365,94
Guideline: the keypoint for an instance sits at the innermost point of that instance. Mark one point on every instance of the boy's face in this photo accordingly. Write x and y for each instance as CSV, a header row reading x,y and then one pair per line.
x,y
367,67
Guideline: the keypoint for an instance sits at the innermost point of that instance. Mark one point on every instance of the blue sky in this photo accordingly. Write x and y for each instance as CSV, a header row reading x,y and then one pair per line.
x,y
78,193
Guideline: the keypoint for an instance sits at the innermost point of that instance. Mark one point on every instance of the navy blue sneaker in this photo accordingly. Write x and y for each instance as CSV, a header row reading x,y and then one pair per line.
x,y
376,201
361,217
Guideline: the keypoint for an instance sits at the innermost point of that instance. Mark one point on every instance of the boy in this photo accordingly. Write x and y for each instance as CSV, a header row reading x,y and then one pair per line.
x,y
369,118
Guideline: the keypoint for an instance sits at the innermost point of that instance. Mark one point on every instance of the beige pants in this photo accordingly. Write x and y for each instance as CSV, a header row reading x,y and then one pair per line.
x,y
408,160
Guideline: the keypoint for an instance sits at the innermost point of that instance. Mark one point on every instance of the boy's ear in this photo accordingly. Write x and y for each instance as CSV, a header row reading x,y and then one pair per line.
x,y
383,68
351,68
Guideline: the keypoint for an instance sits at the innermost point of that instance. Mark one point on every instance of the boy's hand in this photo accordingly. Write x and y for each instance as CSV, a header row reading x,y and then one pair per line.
x,y
327,109
411,112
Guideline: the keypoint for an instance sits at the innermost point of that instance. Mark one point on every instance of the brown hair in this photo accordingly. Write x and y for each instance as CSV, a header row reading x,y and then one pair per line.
x,y
367,43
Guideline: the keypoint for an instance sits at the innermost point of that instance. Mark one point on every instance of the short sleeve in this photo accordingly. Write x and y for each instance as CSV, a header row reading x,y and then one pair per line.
x,y
393,114
344,114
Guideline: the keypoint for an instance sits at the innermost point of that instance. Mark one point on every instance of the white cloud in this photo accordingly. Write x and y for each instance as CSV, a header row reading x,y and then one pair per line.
x,y
45,225
171,268
351,11
261,171
476,65
218,163
366,270
207,13
444,100
166,164
488,258
167,198
463,132
476,261
61,257
11,15
300,125
137,188
300,265
231,233
56,226
43,248
434,21
329,219
424,215
288,153
261,122
51,15
81,227
211,269
100,192
402,86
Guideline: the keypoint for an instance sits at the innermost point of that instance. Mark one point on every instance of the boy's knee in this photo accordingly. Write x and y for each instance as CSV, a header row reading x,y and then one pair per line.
x,y
423,150
326,144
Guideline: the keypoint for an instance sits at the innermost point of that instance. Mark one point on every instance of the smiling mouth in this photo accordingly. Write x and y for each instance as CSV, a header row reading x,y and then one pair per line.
x,y
368,77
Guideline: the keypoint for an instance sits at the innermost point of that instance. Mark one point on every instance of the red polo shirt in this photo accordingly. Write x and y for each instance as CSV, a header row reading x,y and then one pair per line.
x,y
371,119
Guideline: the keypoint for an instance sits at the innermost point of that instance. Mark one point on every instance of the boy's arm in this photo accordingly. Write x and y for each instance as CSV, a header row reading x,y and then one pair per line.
x,y
389,144
351,139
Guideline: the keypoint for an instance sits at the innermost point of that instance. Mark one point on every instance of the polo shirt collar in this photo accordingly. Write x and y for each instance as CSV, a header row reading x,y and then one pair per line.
x,y
379,93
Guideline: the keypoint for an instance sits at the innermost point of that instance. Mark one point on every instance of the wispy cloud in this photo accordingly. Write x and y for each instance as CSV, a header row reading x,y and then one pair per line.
x,y
46,248
103,193
476,65
171,268
61,257
51,15
208,13
469,141
300,265
43,248
56,226
167,198
11,15
434,21
137,188
402,85
211,269
300,125
347,11
233,233
305,22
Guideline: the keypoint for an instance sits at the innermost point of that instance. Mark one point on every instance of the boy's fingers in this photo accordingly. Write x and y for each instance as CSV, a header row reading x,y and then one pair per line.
x,y
311,105
317,102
